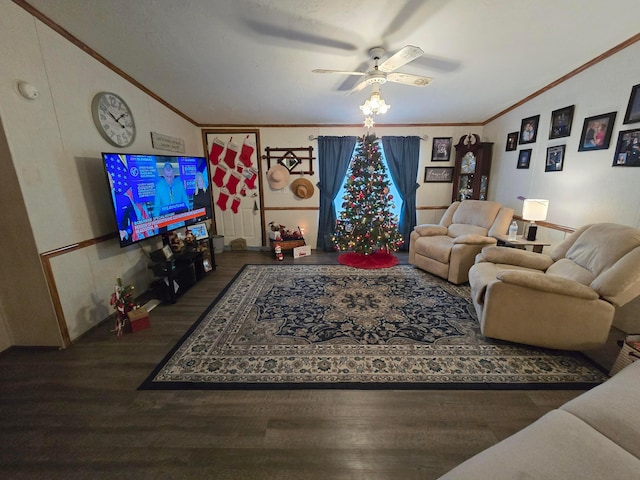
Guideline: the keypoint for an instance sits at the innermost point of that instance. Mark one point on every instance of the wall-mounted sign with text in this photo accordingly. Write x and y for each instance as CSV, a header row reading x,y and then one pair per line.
x,y
165,142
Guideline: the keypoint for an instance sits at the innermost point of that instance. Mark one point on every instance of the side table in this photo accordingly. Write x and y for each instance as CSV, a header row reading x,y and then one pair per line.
x,y
521,243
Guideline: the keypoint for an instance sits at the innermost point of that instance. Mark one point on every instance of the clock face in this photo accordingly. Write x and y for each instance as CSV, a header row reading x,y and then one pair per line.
x,y
113,119
468,164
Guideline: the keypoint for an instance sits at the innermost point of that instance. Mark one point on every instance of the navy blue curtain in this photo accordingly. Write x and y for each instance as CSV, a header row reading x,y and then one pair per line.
x,y
334,155
403,155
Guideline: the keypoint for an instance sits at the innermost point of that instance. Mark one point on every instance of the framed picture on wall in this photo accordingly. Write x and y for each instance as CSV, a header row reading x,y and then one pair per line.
x,y
438,175
555,159
512,142
529,129
596,132
561,121
524,158
628,149
633,108
441,149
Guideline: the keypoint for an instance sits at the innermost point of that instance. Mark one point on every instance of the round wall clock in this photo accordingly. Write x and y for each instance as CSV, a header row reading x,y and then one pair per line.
x,y
113,119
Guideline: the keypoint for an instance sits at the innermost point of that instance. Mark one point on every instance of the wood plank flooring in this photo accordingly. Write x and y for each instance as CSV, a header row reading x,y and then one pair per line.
x,y
76,413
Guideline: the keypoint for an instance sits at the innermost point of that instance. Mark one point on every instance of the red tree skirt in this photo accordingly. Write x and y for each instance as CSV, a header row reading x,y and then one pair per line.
x,y
368,262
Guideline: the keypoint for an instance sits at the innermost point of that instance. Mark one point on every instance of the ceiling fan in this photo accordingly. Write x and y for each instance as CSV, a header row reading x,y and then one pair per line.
x,y
385,72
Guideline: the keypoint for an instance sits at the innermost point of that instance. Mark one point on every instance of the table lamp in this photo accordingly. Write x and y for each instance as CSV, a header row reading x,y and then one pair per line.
x,y
534,209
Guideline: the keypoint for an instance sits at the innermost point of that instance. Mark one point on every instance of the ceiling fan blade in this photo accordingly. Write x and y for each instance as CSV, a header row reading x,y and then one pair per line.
x,y
357,88
408,79
402,57
321,70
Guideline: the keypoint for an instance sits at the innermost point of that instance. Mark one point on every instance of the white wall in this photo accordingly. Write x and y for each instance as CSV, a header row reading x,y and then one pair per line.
x,y
588,189
55,149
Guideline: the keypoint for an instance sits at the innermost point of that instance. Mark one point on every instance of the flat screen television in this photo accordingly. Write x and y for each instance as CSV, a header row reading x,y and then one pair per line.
x,y
154,194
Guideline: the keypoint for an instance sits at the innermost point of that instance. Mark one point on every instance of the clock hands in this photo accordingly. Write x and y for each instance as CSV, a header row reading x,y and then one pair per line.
x,y
117,119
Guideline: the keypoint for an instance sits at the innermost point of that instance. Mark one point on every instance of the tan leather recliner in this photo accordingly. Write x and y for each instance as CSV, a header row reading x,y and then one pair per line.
x,y
566,300
449,248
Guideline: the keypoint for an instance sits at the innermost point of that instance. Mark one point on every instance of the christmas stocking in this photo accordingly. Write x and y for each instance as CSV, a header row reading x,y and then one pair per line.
x,y
235,203
247,150
223,198
218,176
233,181
230,154
250,176
216,150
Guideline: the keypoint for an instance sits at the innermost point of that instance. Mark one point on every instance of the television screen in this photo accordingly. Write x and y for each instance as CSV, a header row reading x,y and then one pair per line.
x,y
154,194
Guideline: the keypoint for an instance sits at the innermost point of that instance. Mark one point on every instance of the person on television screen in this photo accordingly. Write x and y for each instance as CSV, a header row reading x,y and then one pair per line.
x,y
171,196
125,212
201,197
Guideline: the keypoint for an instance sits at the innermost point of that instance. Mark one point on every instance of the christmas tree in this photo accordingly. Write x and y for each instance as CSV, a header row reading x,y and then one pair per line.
x,y
366,224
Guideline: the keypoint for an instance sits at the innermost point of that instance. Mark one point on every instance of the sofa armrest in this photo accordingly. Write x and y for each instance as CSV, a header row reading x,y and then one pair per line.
x,y
547,283
517,257
430,230
473,239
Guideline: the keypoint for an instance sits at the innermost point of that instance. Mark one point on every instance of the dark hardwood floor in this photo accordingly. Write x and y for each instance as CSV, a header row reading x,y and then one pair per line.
x,y
77,413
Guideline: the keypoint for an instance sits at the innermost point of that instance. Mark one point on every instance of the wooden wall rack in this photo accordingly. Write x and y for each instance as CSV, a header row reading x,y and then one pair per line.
x,y
293,159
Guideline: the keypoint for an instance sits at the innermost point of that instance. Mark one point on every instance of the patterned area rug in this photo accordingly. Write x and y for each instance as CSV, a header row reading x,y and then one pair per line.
x,y
332,326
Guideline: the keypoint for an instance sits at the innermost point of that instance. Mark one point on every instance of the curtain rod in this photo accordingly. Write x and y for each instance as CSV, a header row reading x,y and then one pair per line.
x,y
424,138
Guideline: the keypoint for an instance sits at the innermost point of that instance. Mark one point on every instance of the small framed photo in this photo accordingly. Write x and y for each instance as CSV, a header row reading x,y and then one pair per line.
x,y
633,108
512,142
441,151
524,158
438,175
561,121
199,231
628,149
206,264
167,252
596,132
529,129
555,159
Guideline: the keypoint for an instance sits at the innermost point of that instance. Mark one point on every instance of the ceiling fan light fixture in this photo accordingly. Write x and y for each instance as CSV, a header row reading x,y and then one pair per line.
x,y
375,104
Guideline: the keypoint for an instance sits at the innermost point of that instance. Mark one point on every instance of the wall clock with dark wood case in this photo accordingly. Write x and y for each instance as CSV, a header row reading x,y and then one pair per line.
x,y
471,169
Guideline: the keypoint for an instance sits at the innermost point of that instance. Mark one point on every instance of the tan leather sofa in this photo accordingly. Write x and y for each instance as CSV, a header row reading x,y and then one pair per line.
x,y
449,248
565,300
594,436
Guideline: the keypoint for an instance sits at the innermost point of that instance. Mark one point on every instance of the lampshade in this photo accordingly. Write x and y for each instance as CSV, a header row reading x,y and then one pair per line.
x,y
535,209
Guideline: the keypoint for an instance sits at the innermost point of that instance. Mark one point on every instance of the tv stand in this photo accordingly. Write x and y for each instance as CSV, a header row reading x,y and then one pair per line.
x,y
175,276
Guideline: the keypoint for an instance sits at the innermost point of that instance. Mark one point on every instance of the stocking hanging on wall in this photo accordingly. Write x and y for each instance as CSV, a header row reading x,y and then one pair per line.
x,y
233,181
223,199
216,150
247,150
219,174
235,203
250,176
230,154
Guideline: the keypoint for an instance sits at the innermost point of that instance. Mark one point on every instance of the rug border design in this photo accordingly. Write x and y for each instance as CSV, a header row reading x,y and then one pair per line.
x,y
149,384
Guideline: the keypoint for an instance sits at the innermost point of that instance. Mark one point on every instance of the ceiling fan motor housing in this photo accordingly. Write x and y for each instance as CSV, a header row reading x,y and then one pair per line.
x,y
376,76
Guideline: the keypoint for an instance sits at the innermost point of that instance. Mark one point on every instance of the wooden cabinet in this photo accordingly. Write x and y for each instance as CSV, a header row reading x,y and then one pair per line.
x,y
472,168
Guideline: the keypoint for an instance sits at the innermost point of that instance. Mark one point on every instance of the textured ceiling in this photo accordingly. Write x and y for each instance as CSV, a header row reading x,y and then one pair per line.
x,y
249,61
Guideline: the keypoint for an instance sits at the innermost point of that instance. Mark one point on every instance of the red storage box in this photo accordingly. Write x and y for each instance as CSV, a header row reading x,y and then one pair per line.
x,y
139,319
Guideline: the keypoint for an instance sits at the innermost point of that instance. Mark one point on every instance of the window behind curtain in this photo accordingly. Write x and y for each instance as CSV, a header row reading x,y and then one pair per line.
x,y
397,202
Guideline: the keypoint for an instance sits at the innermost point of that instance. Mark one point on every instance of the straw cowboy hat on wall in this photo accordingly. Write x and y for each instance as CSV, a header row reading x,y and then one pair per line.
x,y
278,177
302,188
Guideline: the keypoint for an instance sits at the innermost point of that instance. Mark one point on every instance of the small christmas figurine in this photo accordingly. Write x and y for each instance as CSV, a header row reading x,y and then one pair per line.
x,y
278,250
122,302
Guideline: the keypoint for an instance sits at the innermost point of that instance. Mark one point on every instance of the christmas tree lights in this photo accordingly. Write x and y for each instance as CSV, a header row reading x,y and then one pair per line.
x,y
366,224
